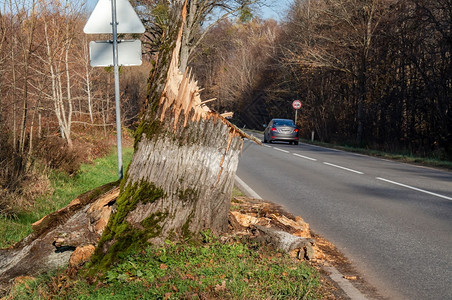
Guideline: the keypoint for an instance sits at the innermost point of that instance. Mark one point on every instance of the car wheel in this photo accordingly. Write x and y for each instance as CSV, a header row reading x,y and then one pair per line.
x,y
290,143
296,143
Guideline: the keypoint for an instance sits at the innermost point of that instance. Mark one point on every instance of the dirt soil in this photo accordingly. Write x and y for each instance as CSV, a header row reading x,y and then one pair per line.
x,y
249,212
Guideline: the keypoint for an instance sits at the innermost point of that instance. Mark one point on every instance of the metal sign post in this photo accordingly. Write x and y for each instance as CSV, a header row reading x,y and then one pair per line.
x,y
296,104
114,25
99,22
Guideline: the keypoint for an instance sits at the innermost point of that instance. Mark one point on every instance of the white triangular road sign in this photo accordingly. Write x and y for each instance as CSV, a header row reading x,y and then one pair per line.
x,y
100,19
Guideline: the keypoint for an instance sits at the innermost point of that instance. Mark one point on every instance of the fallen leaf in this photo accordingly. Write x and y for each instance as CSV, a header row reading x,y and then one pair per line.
x,y
167,295
221,287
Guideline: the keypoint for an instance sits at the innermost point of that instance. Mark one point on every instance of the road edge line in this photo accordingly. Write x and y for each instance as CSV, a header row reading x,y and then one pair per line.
x,y
246,189
344,284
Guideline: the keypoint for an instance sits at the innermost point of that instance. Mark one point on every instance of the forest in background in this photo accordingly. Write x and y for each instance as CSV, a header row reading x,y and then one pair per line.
x,y
56,111
370,73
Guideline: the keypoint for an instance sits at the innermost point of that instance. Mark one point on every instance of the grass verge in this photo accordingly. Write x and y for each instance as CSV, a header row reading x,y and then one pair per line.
x,y
233,269
212,268
65,189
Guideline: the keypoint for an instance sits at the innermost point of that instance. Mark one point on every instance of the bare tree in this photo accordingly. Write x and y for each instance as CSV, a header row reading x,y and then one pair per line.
x,y
200,12
3,51
339,35
232,64
59,26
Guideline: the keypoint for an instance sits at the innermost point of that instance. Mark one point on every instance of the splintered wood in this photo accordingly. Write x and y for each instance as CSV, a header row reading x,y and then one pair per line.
x,y
181,91
181,94
249,212
270,223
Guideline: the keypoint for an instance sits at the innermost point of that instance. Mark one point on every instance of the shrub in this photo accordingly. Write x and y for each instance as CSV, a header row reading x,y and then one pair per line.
x,y
56,154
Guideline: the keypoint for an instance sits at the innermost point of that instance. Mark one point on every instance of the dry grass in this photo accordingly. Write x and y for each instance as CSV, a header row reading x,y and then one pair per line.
x,y
33,185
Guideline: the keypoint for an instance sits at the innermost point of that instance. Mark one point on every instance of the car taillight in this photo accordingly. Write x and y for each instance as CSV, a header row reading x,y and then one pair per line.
x,y
296,130
274,129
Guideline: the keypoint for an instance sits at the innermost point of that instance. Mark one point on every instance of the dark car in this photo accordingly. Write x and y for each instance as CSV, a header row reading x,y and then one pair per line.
x,y
281,130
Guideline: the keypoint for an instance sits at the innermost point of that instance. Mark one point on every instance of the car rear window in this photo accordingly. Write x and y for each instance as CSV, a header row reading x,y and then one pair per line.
x,y
284,122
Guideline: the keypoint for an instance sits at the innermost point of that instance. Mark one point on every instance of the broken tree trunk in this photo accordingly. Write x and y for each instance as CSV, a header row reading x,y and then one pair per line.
x,y
76,226
181,176
287,242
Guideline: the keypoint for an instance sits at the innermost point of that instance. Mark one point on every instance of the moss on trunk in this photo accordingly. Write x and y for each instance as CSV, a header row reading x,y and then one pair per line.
x,y
119,235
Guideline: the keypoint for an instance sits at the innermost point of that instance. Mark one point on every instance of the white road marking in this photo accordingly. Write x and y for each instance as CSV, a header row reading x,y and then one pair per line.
x,y
246,189
414,188
345,285
344,168
325,148
267,146
285,151
305,157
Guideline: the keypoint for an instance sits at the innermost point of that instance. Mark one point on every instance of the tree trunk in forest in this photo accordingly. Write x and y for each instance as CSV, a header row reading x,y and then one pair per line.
x,y
181,176
14,85
361,100
88,80
188,27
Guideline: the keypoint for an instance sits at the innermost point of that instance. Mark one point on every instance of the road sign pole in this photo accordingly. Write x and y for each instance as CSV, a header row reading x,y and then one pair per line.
x,y
114,25
296,104
129,22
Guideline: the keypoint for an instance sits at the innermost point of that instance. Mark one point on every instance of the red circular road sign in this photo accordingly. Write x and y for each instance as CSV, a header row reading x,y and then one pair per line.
x,y
296,104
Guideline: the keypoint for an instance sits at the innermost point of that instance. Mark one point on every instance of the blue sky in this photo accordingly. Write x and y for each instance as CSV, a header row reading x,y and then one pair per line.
x,y
276,8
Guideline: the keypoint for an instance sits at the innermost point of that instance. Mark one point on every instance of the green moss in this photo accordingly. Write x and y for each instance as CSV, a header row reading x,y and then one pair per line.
x,y
188,195
119,236
152,223
186,233
150,128
172,236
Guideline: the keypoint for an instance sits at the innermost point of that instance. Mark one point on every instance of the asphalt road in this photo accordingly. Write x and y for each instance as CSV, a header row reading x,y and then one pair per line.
x,y
392,220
